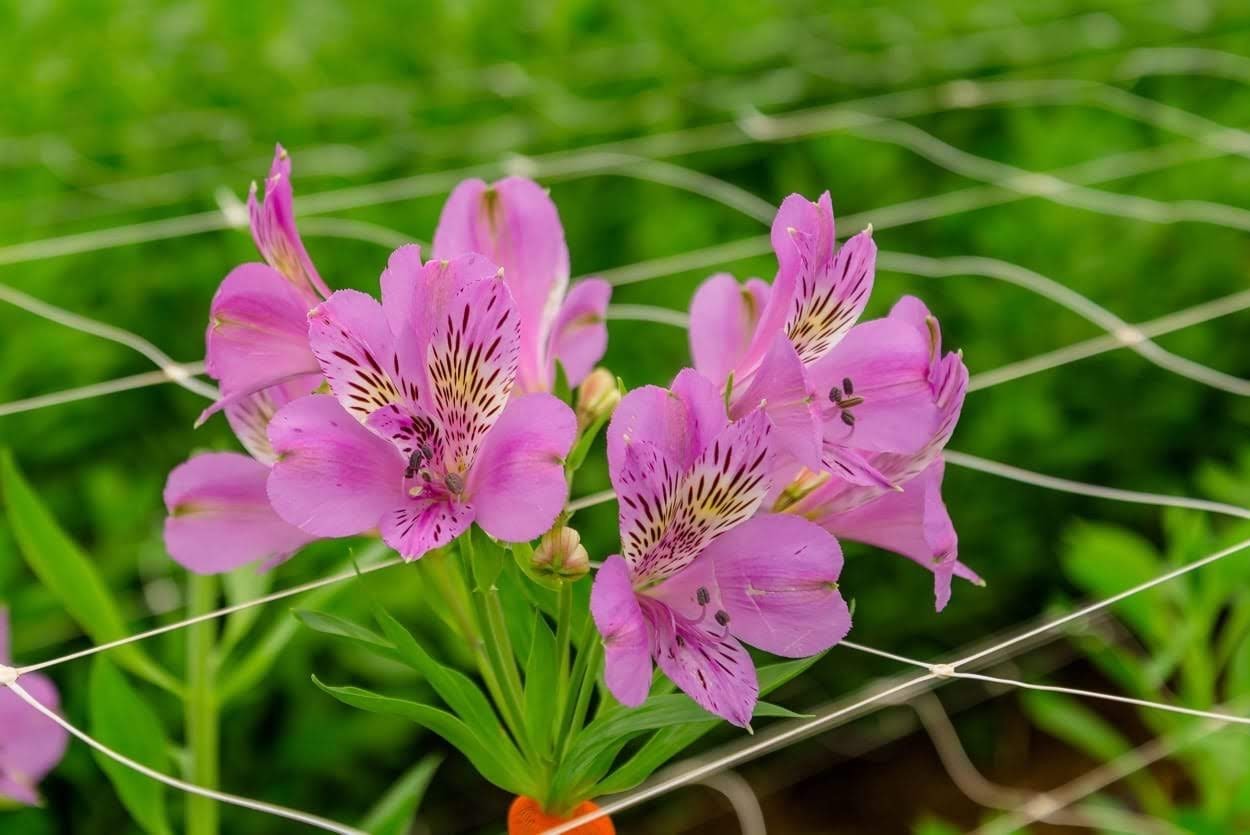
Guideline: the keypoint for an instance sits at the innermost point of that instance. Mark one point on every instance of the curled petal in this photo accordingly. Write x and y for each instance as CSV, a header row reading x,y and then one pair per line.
x,y
680,422
257,333
829,299
273,229
333,476
515,224
626,638
517,483
781,388
249,416
723,317
580,336
220,517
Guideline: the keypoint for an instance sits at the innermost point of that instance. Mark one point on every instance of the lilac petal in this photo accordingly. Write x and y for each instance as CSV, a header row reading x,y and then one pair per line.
x,y
32,744
707,663
514,223
723,317
724,487
780,386
258,332
828,300
352,341
220,517
851,465
420,525
273,229
626,637
913,523
517,482
777,577
471,365
680,421
888,364
802,237
333,476
580,335
646,484
249,416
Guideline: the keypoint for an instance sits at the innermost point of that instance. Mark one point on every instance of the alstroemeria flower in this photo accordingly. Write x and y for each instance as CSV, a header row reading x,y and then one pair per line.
x,y
30,744
909,518
257,349
514,224
421,436
699,573
761,340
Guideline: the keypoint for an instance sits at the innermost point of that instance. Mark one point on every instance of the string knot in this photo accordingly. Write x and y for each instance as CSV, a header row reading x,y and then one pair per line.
x,y
942,670
8,675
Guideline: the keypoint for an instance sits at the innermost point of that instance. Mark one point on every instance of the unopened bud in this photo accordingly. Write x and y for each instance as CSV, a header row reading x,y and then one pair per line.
x,y
561,552
597,397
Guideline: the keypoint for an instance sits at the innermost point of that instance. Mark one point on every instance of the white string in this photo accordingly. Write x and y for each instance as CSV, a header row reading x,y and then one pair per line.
x,y
591,500
1081,488
134,381
742,798
649,313
176,372
189,788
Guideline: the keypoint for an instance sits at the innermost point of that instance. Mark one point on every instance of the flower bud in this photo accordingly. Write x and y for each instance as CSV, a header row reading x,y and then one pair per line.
x,y
561,552
597,397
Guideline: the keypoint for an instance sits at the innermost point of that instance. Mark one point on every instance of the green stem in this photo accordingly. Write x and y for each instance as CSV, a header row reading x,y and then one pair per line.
x,y
499,653
585,671
564,625
202,707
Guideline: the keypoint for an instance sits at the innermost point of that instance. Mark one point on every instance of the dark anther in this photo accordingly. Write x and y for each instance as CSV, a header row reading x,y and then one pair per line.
x,y
848,418
425,474
702,597
835,394
681,642
454,483
722,617
426,451
848,386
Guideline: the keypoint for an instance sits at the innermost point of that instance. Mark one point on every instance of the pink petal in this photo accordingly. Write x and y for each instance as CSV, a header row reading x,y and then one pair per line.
x,y
829,298
333,476
32,744
777,577
723,318
471,365
781,387
724,487
352,341
220,517
517,482
273,229
514,223
580,336
420,525
249,416
708,664
258,332
913,523
646,484
679,422
626,638
888,363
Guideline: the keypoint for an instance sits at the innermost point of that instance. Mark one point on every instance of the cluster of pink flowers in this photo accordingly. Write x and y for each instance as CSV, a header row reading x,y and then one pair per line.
x,y
431,410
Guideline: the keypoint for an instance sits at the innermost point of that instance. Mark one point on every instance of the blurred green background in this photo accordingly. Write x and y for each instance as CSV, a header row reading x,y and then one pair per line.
x,y
116,115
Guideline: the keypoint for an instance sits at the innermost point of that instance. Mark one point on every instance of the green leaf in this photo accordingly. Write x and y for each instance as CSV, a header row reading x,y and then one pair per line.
x,y
585,441
123,721
67,572
562,390
540,686
668,742
485,558
338,627
394,813
505,772
1104,560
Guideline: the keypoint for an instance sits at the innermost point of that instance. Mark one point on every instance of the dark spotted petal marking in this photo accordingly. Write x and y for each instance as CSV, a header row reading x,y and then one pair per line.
x,y
829,297
249,416
471,365
422,524
352,342
723,488
646,489
410,429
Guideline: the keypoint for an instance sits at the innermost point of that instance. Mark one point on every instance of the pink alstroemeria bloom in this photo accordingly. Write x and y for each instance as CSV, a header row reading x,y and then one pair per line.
x,y
761,339
421,436
910,518
257,349
514,224
699,573
30,744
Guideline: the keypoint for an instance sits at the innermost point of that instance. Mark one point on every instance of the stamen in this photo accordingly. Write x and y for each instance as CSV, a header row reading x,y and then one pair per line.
x,y
847,385
848,418
702,597
454,482
722,617
835,395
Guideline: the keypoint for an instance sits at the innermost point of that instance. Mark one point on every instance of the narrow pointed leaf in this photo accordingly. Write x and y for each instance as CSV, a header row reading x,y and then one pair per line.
x,y
394,813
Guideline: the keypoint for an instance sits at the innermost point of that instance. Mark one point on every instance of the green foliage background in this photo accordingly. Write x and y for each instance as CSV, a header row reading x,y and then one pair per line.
x,y
117,114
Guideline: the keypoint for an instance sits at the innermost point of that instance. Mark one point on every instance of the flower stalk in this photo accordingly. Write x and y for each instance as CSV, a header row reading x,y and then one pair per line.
x,y
202,706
